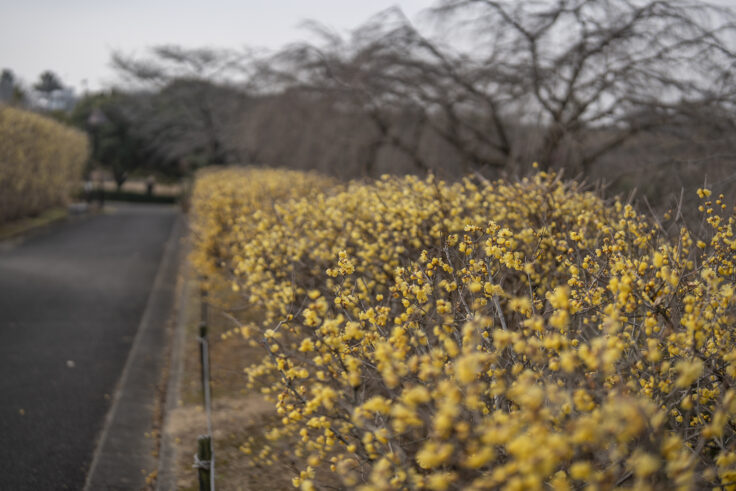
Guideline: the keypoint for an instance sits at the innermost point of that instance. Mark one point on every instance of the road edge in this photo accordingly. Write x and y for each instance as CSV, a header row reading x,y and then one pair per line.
x,y
125,449
166,476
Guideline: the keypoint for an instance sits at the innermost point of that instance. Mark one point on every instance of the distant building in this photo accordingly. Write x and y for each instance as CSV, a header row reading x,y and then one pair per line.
x,y
62,99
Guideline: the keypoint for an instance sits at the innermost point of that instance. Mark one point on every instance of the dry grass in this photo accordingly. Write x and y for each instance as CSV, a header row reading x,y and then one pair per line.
x,y
24,225
236,415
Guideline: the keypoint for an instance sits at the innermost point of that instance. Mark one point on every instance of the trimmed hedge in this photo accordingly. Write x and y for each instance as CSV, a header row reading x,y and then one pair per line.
x,y
41,161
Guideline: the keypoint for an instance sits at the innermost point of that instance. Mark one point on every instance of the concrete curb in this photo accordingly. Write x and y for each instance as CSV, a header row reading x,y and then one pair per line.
x,y
166,478
124,455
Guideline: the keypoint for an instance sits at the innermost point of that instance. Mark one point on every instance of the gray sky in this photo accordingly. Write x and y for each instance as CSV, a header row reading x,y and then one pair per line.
x,y
74,38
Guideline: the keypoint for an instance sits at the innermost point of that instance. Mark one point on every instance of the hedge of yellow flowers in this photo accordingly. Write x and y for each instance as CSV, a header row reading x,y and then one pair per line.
x,y
420,334
40,162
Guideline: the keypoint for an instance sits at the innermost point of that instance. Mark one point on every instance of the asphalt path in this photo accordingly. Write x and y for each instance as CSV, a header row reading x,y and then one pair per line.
x,y
71,300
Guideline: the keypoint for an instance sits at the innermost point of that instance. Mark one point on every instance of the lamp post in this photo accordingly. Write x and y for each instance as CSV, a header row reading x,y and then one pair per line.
x,y
96,119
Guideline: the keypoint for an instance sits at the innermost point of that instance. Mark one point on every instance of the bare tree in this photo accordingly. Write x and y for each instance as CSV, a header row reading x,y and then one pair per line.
x,y
186,101
594,73
360,78
563,82
170,62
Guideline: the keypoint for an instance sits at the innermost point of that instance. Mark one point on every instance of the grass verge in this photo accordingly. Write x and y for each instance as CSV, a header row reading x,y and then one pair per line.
x,y
25,225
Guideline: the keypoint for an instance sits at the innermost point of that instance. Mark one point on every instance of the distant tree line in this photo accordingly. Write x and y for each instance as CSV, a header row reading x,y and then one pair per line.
x,y
48,94
635,92
11,92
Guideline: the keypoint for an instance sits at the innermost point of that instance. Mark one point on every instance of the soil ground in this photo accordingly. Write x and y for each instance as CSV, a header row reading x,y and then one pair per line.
x,y
237,414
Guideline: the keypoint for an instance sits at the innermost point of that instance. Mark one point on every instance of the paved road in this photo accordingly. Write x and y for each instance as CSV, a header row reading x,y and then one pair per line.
x,y
71,299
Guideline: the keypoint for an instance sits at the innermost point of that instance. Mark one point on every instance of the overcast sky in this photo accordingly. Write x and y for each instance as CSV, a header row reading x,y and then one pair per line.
x,y
74,38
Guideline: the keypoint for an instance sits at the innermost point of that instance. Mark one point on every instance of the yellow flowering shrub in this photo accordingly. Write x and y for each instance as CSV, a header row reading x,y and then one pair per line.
x,y
419,334
41,161
228,203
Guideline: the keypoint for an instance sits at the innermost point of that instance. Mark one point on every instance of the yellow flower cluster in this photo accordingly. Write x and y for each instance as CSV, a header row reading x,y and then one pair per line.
x,y
41,161
420,334
229,205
